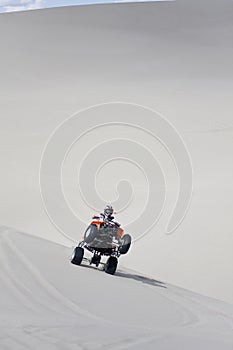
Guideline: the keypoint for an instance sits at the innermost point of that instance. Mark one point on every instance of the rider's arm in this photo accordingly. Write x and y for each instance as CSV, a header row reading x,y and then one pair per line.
x,y
95,217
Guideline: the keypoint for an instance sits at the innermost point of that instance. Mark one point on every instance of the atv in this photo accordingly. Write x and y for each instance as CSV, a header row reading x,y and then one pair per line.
x,y
102,238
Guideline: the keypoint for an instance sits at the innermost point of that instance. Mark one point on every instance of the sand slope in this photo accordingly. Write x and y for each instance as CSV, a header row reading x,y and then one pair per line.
x,y
175,57
48,303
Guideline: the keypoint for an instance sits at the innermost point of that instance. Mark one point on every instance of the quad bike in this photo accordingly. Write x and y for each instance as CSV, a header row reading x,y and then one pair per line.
x,y
102,238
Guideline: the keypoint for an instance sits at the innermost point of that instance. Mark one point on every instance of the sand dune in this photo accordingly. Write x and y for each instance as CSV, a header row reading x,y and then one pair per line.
x,y
174,57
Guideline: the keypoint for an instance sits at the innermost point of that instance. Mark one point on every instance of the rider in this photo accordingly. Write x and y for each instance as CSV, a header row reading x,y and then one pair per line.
x,y
107,216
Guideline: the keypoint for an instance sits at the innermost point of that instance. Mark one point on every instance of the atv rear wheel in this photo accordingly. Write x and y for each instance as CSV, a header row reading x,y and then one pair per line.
x,y
125,244
77,256
90,233
111,265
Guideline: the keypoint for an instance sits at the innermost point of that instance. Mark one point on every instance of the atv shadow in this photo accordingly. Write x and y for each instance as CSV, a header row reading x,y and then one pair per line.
x,y
139,278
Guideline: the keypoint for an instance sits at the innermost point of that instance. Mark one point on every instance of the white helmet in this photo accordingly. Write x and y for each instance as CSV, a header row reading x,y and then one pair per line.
x,y
108,210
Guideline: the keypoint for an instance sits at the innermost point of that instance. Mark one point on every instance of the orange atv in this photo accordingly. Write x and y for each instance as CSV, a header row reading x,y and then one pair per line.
x,y
103,238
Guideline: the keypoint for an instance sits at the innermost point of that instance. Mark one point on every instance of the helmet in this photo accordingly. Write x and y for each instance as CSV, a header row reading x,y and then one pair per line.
x,y
108,210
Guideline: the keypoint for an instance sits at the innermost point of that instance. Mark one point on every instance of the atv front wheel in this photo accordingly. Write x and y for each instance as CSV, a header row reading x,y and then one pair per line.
x,y
90,233
77,256
111,265
125,244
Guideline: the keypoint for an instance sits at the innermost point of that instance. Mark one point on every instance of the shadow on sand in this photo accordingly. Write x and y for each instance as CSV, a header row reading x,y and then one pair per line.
x,y
139,278
132,276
